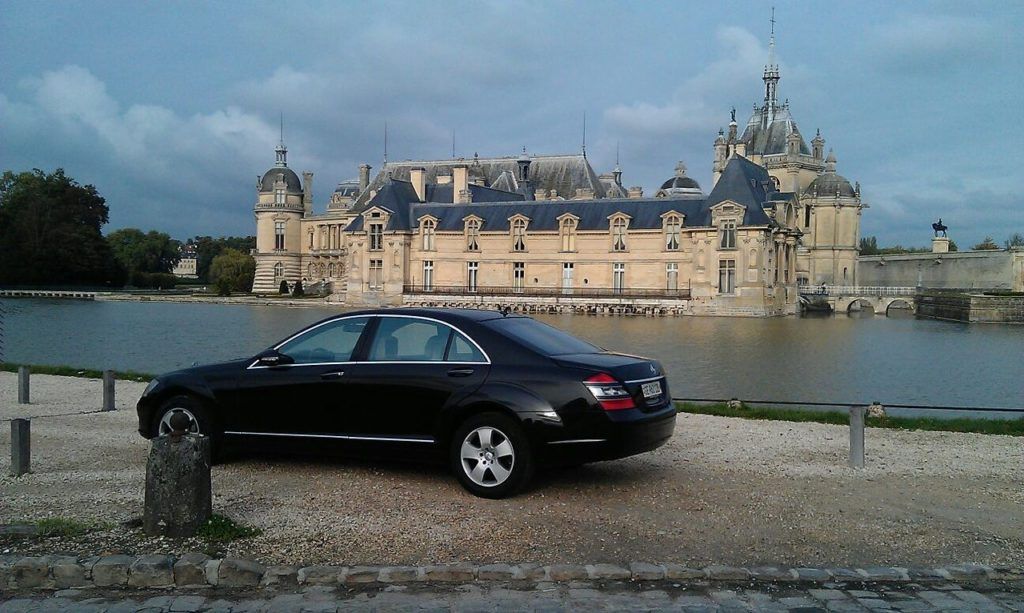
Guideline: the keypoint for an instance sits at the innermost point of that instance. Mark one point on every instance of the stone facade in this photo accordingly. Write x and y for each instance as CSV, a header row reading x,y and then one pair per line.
x,y
962,270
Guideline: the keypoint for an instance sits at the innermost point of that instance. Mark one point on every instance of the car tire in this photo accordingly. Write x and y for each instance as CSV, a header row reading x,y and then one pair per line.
x,y
201,421
491,455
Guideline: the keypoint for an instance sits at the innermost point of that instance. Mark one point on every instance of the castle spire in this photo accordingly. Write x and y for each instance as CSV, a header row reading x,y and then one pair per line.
x,y
771,71
281,151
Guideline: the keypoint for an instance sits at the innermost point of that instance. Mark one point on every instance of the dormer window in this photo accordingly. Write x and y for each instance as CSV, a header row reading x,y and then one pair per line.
x,y
728,235
279,195
472,235
619,225
673,232
427,230
567,229
519,235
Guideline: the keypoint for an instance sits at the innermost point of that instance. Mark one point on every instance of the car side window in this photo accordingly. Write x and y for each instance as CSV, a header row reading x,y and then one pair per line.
x,y
331,342
461,350
404,339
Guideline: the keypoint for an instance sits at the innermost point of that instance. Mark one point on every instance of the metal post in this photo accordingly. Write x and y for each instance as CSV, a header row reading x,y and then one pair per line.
x,y
20,446
23,374
857,437
108,390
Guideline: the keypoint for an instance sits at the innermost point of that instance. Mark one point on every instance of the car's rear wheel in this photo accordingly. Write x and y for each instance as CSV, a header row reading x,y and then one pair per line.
x,y
200,421
491,455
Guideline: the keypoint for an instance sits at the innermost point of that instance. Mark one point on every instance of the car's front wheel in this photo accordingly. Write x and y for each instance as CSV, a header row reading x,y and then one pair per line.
x,y
199,420
491,455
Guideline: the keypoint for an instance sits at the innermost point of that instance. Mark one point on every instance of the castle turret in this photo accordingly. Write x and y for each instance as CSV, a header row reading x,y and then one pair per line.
x,y
281,203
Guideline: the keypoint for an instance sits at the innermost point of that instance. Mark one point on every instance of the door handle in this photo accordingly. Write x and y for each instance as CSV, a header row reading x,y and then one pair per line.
x,y
333,375
460,372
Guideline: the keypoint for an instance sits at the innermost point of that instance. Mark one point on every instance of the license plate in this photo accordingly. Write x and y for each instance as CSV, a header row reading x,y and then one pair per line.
x,y
652,389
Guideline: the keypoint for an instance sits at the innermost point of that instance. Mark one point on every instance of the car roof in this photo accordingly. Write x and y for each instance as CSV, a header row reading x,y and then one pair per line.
x,y
477,315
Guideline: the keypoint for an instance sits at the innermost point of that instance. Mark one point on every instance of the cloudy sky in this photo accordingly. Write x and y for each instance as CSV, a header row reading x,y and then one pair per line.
x,y
171,109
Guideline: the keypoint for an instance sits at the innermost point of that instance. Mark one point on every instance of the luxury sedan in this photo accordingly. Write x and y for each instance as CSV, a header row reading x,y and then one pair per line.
x,y
491,393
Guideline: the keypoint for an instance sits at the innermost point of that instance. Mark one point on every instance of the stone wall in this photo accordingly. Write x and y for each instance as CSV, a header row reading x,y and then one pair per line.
x,y
974,308
956,270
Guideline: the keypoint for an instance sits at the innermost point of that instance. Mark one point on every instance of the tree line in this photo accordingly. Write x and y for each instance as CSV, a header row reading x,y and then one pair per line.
x,y
51,235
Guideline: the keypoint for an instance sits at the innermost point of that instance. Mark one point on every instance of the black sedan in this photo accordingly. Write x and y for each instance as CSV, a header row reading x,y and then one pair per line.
x,y
496,394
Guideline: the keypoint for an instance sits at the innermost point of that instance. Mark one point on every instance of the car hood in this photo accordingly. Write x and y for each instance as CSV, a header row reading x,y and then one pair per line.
x,y
204,370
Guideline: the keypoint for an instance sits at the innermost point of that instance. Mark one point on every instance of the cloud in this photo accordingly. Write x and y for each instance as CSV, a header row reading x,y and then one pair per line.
x,y
155,167
934,45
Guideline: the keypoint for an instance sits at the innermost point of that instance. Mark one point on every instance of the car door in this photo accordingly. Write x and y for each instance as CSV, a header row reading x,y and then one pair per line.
x,y
306,395
413,366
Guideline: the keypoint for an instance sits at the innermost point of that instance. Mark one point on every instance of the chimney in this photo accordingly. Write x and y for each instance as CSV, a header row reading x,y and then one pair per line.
x,y
307,193
636,192
460,179
741,149
364,177
418,176
540,194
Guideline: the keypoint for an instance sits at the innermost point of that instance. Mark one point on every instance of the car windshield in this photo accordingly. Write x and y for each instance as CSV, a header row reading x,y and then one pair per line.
x,y
542,338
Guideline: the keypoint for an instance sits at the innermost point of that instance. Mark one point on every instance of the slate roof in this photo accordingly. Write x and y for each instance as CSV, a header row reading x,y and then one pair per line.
x,y
562,173
292,183
742,181
768,129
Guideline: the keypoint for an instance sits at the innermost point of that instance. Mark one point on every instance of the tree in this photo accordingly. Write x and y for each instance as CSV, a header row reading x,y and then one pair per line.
x,y
135,252
986,245
233,270
50,230
1017,240
207,248
869,246
953,247
298,291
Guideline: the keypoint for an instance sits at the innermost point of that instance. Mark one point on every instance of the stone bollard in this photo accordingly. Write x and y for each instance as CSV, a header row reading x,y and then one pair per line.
x,y
21,446
178,498
108,390
23,375
857,437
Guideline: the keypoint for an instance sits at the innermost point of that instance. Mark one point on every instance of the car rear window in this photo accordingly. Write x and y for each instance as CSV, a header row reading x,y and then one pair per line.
x,y
542,338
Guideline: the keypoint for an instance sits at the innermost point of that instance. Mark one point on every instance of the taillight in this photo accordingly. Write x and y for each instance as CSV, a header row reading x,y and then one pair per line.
x,y
609,392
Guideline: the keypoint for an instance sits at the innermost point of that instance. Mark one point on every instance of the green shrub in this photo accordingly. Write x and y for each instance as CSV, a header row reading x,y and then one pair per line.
x,y
297,291
222,529
283,290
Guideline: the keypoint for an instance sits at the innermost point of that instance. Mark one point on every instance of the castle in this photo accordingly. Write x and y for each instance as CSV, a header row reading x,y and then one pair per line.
x,y
547,229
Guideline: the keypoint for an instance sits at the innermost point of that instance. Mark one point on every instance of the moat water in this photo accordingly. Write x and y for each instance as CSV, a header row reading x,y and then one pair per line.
x,y
898,360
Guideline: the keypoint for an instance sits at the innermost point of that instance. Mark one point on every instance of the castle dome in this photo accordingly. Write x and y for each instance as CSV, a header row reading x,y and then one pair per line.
x,y
292,183
831,183
681,186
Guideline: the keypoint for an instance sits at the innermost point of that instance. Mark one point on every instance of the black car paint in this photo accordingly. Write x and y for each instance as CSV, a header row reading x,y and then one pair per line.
x,y
424,403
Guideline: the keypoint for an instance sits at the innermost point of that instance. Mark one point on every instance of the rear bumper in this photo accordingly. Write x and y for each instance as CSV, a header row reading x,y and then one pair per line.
x,y
620,440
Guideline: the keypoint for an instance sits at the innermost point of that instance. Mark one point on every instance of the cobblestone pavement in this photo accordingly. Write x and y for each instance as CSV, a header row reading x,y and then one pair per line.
x,y
572,596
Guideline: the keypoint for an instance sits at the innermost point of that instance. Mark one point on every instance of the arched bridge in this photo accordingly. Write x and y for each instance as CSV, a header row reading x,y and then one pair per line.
x,y
849,298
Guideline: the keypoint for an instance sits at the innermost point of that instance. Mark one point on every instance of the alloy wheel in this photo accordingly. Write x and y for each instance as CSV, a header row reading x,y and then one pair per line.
x,y
165,421
487,456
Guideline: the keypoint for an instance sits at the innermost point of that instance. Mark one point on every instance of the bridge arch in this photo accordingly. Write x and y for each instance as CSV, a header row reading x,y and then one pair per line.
x,y
900,304
859,304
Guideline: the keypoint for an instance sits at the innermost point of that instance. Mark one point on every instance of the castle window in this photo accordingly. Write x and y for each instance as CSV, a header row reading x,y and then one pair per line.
x,y
376,278
568,232
518,276
807,216
619,234
311,271
618,277
278,270
279,195
472,268
672,276
728,235
279,235
473,235
727,276
310,240
376,236
428,275
427,230
519,235
673,232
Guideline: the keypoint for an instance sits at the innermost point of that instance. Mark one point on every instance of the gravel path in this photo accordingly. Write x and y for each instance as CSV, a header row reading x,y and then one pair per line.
x,y
723,491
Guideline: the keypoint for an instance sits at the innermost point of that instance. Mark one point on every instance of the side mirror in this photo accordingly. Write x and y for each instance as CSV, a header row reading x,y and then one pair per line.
x,y
271,357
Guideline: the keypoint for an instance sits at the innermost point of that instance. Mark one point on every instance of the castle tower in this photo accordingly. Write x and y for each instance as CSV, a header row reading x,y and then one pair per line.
x,y
831,209
281,203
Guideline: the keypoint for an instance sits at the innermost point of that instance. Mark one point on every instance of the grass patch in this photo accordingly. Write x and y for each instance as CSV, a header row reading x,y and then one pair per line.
x,y
221,529
64,526
1011,427
70,371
